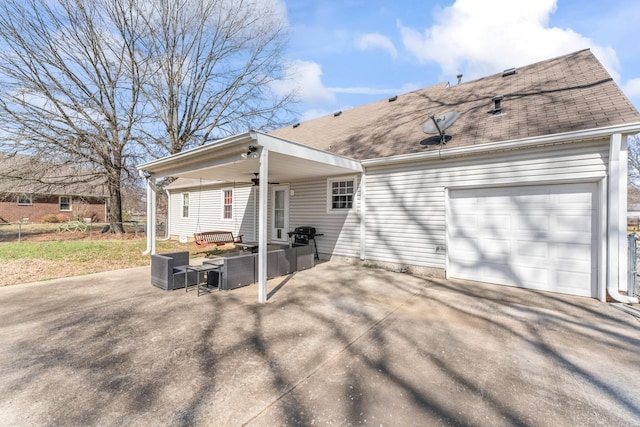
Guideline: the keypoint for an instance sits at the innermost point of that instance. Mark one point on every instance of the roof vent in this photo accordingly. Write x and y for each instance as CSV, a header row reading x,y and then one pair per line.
x,y
295,125
459,76
509,72
337,113
393,98
497,104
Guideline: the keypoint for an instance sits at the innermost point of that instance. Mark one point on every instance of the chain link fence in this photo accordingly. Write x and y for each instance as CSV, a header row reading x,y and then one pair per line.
x,y
69,230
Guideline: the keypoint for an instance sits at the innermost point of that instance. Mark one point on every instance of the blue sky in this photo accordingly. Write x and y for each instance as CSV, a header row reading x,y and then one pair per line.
x,y
347,53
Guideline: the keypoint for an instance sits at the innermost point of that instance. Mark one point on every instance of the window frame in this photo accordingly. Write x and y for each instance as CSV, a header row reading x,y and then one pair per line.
x,y
354,194
60,203
225,205
183,206
22,203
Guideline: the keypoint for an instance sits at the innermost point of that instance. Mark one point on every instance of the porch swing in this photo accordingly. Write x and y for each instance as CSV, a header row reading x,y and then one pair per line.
x,y
218,238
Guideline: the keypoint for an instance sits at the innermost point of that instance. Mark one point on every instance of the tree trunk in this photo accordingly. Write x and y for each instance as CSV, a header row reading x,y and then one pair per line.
x,y
114,210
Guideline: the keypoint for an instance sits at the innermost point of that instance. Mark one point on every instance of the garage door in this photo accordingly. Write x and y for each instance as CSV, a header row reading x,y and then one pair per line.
x,y
537,237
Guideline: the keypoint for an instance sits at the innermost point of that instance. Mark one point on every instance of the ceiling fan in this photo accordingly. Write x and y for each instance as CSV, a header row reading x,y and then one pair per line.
x,y
256,181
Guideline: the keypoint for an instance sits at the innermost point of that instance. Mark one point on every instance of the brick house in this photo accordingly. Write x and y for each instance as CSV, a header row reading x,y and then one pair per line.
x,y
33,191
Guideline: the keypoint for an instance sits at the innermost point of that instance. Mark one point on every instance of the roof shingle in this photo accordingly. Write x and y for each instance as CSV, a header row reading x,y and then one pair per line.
x,y
564,94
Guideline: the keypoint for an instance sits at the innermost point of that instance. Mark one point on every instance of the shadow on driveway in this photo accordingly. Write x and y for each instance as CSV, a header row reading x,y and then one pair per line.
x,y
335,345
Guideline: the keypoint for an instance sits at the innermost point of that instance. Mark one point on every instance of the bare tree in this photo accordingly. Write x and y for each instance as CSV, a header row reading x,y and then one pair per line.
x,y
71,84
214,61
102,83
633,161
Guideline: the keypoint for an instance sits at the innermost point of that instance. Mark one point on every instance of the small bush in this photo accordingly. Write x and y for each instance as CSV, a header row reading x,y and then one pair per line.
x,y
50,218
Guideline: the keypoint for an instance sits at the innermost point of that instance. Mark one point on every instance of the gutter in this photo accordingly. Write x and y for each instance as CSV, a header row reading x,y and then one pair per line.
x,y
196,152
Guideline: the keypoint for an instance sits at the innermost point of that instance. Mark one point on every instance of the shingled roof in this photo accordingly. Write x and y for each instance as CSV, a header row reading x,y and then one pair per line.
x,y
568,93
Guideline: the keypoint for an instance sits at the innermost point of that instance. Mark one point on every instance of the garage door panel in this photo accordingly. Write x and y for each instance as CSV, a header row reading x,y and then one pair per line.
x,y
527,223
540,237
493,247
532,249
496,272
532,277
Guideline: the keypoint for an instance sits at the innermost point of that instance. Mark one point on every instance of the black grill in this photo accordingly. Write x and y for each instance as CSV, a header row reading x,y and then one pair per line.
x,y
302,235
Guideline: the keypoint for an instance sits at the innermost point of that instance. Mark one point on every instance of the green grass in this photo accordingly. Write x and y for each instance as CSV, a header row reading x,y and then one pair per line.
x,y
115,250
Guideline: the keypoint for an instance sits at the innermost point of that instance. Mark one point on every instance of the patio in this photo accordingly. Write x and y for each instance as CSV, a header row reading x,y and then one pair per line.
x,y
335,345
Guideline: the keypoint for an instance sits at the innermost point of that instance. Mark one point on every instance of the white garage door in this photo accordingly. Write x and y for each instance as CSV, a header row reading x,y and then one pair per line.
x,y
537,237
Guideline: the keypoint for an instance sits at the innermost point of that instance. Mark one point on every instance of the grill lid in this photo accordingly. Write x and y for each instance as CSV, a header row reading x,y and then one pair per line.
x,y
306,230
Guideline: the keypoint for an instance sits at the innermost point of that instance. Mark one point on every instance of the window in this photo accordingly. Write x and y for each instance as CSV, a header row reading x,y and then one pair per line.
x,y
227,204
185,205
65,203
341,194
24,200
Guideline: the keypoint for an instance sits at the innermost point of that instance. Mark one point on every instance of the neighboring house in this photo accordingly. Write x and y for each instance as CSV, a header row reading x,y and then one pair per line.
x,y
529,189
34,191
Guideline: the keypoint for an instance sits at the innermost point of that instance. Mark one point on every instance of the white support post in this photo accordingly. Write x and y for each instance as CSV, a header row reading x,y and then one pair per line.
x,y
151,216
363,217
262,225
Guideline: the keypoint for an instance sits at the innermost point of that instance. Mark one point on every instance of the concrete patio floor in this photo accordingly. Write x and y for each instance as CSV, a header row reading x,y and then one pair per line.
x,y
335,345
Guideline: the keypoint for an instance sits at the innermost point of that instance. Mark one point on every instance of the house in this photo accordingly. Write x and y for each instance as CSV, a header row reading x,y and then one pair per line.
x,y
34,191
526,188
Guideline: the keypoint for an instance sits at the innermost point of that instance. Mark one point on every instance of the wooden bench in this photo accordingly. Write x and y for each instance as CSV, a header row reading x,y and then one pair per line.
x,y
217,238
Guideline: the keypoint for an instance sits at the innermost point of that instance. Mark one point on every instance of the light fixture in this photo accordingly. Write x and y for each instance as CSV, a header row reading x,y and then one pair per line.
x,y
251,153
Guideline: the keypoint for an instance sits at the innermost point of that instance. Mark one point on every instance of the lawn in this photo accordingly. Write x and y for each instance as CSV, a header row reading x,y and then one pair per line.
x,y
35,261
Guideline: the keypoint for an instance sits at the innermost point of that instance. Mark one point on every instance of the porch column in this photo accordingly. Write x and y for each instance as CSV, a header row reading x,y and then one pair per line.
x,y
262,225
151,216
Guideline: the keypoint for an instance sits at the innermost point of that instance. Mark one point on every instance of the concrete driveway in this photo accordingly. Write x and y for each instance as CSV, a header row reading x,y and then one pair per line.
x,y
335,345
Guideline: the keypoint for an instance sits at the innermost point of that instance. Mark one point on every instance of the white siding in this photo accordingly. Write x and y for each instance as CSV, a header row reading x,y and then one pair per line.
x,y
406,203
341,229
205,211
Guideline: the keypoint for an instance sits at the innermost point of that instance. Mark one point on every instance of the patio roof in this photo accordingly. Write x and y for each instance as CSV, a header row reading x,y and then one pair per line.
x,y
230,160
236,159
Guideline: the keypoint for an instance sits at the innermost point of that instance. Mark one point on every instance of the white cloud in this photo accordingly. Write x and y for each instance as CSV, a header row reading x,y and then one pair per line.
x,y
313,114
376,41
375,91
304,78
483,37
632,88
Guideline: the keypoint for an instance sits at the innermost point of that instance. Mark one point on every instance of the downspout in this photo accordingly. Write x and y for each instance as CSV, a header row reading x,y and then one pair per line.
x,y
616,227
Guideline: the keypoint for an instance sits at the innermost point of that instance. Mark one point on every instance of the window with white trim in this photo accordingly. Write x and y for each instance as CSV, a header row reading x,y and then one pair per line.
x,y
227,204
341,193
24,200
185,205
65,203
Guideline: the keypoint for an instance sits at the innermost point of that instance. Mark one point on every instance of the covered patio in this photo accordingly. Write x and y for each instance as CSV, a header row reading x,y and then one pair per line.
x,y
234,159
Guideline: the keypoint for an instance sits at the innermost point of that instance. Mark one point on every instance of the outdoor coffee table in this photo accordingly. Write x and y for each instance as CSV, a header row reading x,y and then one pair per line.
x,y
202,276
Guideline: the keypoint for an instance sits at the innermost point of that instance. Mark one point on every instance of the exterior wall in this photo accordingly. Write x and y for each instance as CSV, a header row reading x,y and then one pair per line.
x,y
49,205
205,211
405,211
307,206
341,229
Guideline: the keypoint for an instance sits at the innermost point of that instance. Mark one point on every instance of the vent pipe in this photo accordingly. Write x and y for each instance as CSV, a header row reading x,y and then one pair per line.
x,y
497,104
459,76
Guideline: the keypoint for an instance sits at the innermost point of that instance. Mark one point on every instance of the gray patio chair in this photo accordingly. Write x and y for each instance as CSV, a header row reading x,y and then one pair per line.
x,y
168,271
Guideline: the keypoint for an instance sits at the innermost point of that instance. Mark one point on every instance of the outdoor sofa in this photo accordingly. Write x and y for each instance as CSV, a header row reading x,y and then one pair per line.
x,y
168,271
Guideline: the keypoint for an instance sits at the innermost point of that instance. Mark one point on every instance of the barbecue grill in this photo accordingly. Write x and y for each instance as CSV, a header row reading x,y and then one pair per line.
x,y
302,235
